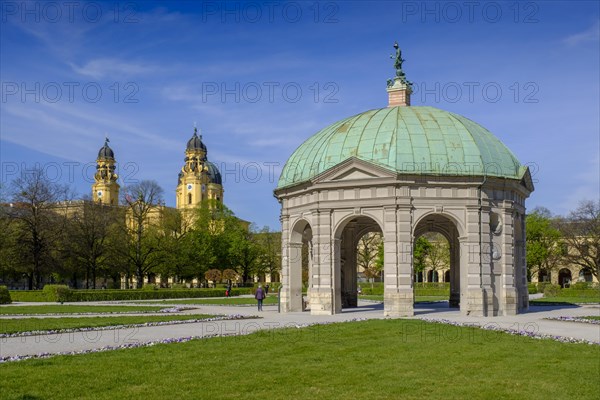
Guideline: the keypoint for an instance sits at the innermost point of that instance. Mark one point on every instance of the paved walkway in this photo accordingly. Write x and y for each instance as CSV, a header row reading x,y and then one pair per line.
x,y
270,319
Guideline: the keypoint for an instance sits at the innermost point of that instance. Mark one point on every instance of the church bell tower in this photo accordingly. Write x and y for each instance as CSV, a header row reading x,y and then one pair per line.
x,y
199,179
105,189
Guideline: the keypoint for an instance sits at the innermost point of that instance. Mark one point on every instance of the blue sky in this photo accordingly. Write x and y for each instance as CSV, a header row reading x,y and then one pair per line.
x,y
259,78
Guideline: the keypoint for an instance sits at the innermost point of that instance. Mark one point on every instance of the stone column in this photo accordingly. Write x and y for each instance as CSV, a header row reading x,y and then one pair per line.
x,y
398,299
509,261
477,273
326,255
348,267
291,294
454,269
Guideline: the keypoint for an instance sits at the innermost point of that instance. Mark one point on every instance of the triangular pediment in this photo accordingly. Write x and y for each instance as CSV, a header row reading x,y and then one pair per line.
x,y
353,169
526,180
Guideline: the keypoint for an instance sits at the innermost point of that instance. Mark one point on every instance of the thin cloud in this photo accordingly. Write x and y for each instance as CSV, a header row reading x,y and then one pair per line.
x,y
592,34
103,67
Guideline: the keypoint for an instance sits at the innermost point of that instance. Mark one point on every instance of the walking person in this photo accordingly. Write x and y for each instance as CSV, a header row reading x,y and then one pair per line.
x,y
260,296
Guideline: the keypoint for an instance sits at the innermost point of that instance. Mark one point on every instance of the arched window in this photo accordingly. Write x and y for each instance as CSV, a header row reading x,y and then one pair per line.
x,y
189,198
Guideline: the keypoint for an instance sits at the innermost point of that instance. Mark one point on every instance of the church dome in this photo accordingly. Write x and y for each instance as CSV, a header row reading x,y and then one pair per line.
x,y
106,151
408,140
195,143
213,173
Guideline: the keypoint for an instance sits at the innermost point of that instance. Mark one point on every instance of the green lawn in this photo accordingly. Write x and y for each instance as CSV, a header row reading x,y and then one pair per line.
x,y
378,359
595,318
67,309
564,300
418,299
39,324
219,301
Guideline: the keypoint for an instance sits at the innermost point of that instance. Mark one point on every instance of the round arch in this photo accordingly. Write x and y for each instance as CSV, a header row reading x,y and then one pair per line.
x,y
447,226
342,223
347,235
299,258
564,277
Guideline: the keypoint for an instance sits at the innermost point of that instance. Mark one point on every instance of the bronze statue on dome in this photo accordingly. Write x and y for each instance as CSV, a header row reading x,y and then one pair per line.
x,y
398,61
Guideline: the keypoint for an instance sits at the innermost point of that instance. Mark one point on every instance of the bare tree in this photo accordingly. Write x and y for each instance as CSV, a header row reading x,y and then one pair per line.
x,y
581,233
39,210
91,225
213,275
143,214
438,256
367,253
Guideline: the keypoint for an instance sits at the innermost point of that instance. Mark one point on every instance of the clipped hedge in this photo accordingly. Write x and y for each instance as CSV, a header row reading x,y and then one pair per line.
x,y
136,294
62,295
4,295
587,293
28,295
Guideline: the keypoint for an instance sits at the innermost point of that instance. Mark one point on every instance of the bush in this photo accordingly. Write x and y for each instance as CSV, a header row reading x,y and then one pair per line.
x,y
541,286
4,295
532,288
551,290
580,285
58,293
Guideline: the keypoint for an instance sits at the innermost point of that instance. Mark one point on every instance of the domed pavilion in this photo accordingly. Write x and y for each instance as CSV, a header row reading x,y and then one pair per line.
x,y
403,171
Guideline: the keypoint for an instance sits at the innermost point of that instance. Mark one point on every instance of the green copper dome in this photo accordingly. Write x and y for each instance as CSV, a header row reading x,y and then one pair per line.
x,y
409,140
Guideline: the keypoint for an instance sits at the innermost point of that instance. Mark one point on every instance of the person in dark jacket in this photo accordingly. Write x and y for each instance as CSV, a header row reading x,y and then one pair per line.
x,y
260,296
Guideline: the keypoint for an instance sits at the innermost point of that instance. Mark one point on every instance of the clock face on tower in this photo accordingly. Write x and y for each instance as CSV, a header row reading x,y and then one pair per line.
x,y
99,193
189,186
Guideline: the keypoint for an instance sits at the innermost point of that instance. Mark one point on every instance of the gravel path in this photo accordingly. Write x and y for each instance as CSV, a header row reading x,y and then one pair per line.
x,y
270,319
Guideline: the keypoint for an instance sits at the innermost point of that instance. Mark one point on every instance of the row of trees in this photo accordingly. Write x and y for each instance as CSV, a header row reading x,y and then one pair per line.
x,y
431,252
554,242
46,236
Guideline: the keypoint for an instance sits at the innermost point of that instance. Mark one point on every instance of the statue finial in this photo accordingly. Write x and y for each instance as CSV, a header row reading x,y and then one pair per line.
x,y
398,61
106,140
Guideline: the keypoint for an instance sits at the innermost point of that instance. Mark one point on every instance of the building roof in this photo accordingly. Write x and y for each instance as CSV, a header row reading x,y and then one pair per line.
x,y
213,173
106,151
195,143
408,140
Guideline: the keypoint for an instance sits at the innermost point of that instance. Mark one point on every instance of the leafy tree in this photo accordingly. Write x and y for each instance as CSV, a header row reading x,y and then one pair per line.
x,y
421,250
581,233
269,243
543,242
244,252
39,220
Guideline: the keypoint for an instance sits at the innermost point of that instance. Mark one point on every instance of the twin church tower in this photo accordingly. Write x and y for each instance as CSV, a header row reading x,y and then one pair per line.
x,y
198,180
